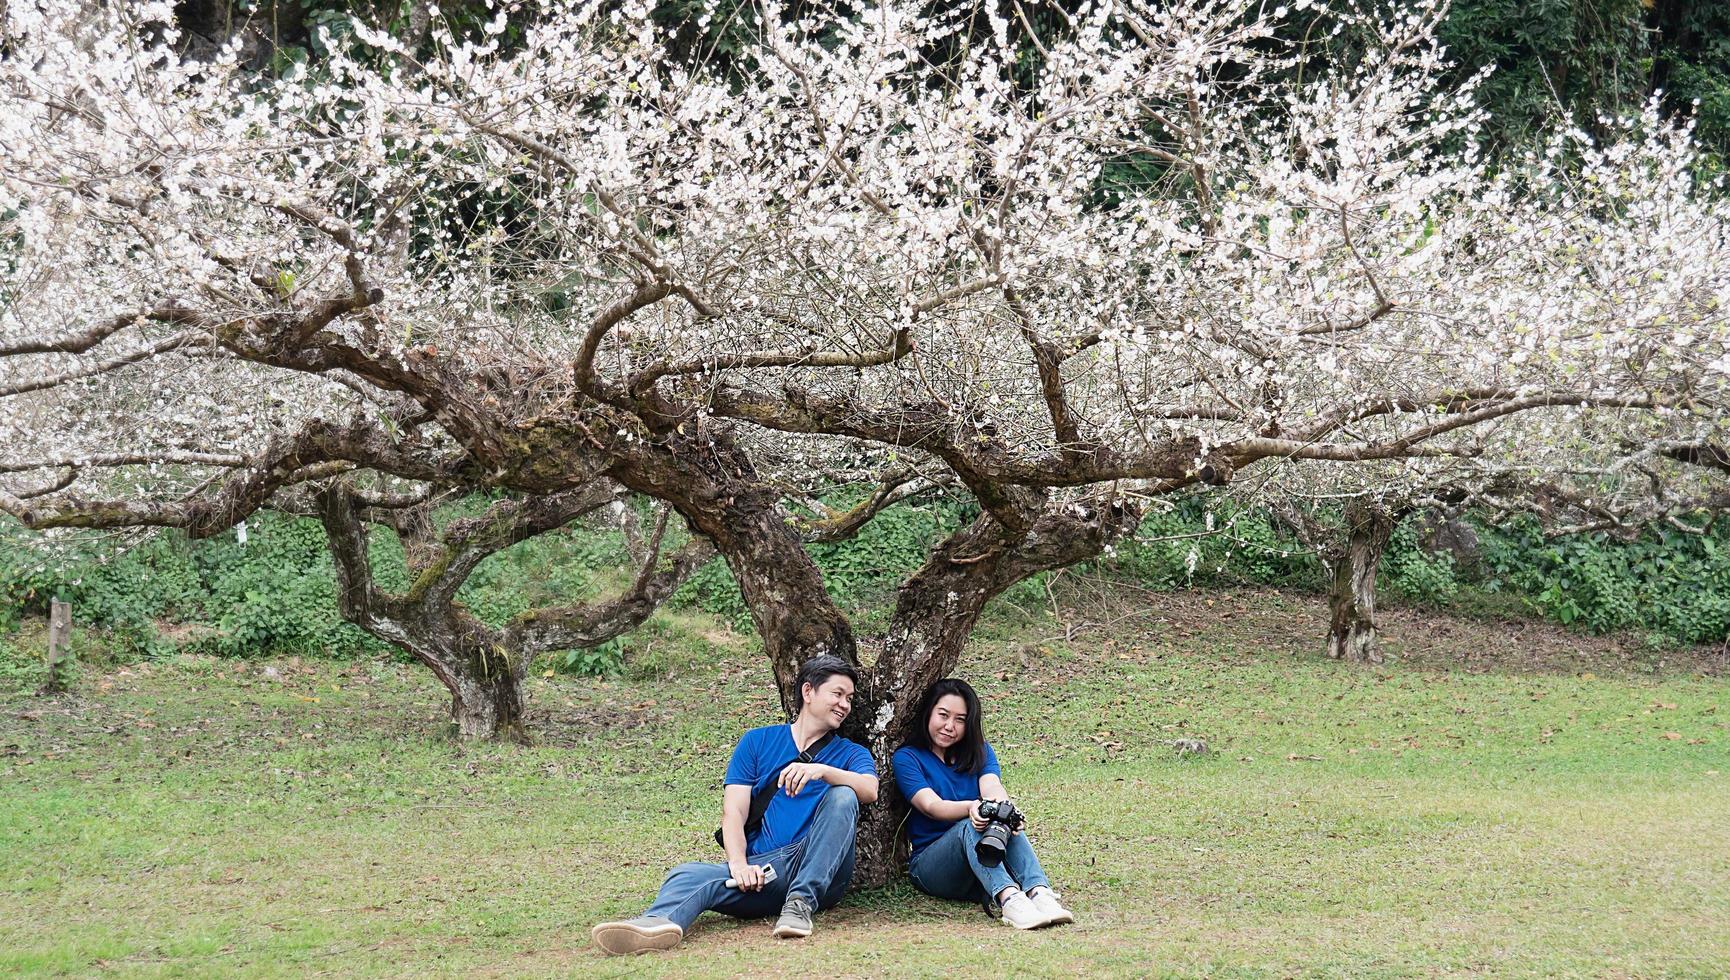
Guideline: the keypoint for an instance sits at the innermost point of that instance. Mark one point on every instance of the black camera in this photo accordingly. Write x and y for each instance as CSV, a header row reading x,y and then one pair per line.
x,y
1003,820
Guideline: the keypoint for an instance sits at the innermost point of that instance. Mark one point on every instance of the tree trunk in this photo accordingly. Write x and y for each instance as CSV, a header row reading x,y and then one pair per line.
x,y
1352,596
484,668
935,612
484,678
923,646
489,703
482,675
714,488
789,605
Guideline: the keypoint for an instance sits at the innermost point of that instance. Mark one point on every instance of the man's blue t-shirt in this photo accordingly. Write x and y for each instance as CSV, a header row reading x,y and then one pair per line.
x,y
917,769
759,758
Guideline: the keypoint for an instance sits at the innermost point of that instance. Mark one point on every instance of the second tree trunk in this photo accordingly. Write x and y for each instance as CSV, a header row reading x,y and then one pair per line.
x,y
1352,596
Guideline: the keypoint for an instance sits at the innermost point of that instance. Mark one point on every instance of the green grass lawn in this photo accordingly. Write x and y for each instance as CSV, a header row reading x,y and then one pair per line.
x,y
198,817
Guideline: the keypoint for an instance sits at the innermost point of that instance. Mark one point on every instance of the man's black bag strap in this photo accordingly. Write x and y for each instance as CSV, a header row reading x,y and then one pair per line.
x,y
761,799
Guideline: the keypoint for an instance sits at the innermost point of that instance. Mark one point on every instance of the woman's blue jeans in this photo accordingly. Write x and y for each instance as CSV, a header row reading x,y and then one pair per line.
x,y
948,868
818,867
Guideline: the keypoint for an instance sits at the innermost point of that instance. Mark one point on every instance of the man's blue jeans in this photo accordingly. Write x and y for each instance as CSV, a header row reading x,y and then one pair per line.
x,y
817,867
948,868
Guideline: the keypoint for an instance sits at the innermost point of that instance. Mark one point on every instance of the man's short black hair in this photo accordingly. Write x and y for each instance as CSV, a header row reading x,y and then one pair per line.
x,y
817,670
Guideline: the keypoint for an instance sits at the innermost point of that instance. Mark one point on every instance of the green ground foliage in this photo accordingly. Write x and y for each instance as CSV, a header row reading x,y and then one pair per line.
x,y
1508,800
1672,587
274,594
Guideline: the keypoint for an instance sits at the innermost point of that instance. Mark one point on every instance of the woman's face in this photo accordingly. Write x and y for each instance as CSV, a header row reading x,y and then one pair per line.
x,y
948,721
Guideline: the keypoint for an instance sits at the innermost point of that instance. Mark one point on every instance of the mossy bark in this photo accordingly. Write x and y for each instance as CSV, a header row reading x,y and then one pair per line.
x,y
1352,592
935,612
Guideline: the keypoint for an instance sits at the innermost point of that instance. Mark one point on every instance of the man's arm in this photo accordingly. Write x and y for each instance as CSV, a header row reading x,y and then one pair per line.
x,y
735,806
862,784
795,776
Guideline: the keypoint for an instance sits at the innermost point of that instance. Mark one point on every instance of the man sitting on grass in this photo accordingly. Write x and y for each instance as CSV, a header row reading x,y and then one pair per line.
x,y
799,857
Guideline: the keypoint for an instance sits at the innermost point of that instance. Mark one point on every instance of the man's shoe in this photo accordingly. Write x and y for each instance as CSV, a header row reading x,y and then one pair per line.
x,y
795,920
638,935
1020,912
1046,901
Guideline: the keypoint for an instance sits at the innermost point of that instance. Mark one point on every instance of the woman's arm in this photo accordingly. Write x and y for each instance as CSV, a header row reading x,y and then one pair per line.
x,y
991,788
927,801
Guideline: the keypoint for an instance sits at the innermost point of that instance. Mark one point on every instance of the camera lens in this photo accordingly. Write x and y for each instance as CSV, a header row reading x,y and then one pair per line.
x,y
993,841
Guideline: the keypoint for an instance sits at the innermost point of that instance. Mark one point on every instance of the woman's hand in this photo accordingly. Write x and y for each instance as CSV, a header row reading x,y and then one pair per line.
x,y
991,788
749,877
795,776
979,823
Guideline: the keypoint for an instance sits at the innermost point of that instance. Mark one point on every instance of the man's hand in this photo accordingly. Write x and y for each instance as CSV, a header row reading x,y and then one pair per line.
x,y
749,876
979,823
795,776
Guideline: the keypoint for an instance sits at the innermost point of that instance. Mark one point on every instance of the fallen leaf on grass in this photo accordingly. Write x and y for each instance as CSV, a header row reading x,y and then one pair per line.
x,y
1294,757
1672,736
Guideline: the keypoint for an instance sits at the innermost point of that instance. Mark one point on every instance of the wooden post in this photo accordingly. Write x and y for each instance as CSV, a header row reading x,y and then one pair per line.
x,y
59,638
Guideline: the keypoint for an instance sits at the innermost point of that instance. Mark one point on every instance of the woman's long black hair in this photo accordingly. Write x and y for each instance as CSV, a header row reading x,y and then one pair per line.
x,y
966,755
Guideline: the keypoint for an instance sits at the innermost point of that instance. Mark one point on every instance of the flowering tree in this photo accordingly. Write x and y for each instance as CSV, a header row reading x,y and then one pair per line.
x,y
1162,258
1581,471
1577,472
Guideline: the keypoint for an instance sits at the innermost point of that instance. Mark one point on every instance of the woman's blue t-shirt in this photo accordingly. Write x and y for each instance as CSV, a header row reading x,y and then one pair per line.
x,y
917,769
759,758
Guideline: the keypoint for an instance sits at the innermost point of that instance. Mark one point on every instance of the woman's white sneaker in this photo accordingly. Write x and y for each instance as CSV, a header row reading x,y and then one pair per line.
x,y
1020,912
1046,901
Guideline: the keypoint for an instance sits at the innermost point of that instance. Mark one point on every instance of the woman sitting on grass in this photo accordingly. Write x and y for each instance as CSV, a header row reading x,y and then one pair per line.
x,y
946,770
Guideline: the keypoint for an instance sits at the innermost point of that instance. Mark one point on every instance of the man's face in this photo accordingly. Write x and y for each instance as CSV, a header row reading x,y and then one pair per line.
x,y
830,702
